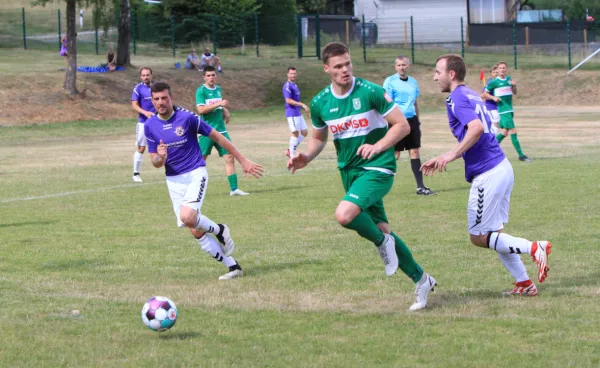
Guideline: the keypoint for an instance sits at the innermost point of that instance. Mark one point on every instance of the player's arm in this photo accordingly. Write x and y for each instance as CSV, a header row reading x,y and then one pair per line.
x,y
399,129
417,109
487,96
159,157
293,102
205,109
248,166
226,115
316,143
513,84
136,106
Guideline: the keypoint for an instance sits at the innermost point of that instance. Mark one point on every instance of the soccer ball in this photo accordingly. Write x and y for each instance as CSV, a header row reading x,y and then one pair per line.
x,y
159,313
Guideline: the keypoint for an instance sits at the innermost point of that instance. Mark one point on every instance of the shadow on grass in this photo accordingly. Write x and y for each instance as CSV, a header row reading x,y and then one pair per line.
x,y
37,223
278,189
270,268
178,335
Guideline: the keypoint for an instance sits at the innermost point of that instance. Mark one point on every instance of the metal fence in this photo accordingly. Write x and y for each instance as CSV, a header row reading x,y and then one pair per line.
x,y
550,45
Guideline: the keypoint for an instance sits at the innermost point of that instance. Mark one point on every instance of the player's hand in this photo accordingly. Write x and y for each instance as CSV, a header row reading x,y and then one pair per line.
x,y
162,149
223,103
252,168
367,151
513,82
307,110
438,164
298,162
148,114
226,116
496,99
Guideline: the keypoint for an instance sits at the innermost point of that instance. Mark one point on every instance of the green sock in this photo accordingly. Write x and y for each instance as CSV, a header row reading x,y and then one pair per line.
x,y
515,142
364,225
406,262
232,182
499,138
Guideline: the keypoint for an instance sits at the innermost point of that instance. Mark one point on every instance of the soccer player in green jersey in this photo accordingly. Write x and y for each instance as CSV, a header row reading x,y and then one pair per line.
x,y
213,108
354,111
501,90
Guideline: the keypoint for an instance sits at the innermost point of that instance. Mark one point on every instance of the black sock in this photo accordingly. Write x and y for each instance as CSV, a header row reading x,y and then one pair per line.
x,y
415,164
235,267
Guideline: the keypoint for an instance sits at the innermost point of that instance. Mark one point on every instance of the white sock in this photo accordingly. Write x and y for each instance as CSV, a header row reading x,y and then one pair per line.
x,y
137,162
219,68
514,265
293,145
507,244
300,139
211,246
207,225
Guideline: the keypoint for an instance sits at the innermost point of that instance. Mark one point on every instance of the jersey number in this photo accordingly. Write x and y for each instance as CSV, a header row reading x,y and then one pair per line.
x,y
483,113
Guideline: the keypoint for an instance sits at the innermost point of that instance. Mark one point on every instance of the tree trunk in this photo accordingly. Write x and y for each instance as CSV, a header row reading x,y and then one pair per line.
x,y
124,35
71,74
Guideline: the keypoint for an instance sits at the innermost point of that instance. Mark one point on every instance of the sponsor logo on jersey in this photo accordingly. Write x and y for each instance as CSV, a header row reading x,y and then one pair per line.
x,y
503,91
212,101
335,109
356,103
179,131
350,124
387,97
353,196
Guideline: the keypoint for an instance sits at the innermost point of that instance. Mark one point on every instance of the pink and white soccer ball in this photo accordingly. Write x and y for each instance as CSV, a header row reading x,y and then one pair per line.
x,y
159,313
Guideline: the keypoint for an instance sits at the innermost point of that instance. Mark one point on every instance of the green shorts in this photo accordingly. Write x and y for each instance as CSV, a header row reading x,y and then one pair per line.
x,y
366,189
506,121
207,144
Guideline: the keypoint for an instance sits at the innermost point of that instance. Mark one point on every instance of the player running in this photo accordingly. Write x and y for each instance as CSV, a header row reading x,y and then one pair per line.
x,y
491,105
171,135
291,96
501,90
213,109
490,174
141,101
355,111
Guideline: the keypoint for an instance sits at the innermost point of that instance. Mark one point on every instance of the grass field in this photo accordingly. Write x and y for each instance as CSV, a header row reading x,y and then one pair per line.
x,y
77,234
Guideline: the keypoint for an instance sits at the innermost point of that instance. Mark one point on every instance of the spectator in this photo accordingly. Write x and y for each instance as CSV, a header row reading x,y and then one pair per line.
x,y
210,59
192,61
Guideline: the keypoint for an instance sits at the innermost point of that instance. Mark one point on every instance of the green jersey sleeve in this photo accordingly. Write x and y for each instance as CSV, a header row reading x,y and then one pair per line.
x,y
200,98
491,86
315,115
380,100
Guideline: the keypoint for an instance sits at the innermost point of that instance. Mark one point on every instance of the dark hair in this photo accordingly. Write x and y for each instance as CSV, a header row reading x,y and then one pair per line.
x,y
400,57
208,69
145,68
333,49
159,87
291,68
457,64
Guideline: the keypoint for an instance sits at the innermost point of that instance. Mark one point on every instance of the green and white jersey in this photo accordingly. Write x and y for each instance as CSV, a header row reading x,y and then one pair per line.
x,y
499,87
206,96
354,119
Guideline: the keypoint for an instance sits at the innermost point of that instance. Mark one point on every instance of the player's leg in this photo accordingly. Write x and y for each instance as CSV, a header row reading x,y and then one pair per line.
x,y
140,141
503,125
512,130
195,184
295,128
488,207
211,246
364,188
230,169
218,64
415,159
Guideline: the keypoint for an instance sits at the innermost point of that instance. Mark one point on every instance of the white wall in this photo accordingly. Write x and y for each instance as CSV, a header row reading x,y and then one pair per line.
x,y
434,21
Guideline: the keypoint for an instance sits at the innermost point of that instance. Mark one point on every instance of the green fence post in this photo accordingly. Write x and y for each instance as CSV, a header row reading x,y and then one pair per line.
x,y
173,33
514,29
96,33
569,41
412,40
133,32
59,35
257,34
318,35
299,20
214,33
364,38
24,29
462,38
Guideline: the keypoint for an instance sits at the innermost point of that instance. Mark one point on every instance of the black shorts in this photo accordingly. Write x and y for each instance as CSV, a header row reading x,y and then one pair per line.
x,y
413,139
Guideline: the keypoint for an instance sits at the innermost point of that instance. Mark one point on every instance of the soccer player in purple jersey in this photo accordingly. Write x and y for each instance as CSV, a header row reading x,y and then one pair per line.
x,y
141,101
491,105
490,174
291,95
171,135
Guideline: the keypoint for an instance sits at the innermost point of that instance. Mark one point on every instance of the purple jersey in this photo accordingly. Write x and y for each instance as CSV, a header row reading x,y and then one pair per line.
x,y
465,105
491,105
180,134
142,94
291,90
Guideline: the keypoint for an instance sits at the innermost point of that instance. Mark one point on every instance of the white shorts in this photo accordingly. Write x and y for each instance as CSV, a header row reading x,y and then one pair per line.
x,y
296,123
489,200
140,137
188,189
495,116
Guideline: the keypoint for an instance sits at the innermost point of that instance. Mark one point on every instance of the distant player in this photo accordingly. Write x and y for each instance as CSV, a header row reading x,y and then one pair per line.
x,y
355,111
171,135
501,90
490,174
291,96
404,90
491,105
210,59
141,101
213,108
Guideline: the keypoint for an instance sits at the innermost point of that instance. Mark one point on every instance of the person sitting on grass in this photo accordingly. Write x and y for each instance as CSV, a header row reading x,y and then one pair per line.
x,y
111,59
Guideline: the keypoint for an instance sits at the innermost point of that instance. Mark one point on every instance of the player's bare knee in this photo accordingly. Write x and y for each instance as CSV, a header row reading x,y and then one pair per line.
x,y
188,216
479,240
141,149
343,216
385,227
415,154
196,233
512,131
304,132
295,134
228,159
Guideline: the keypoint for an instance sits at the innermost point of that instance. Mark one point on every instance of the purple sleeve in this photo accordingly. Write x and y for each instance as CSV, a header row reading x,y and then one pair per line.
x,y
203,128
135,95
287,91
464,112
152,143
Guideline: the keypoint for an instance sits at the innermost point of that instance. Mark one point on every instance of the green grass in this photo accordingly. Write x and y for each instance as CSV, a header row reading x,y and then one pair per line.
x,y
77,234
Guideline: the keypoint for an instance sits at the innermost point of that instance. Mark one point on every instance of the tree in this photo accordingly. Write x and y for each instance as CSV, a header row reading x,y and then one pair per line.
x,y
124,34
311,6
